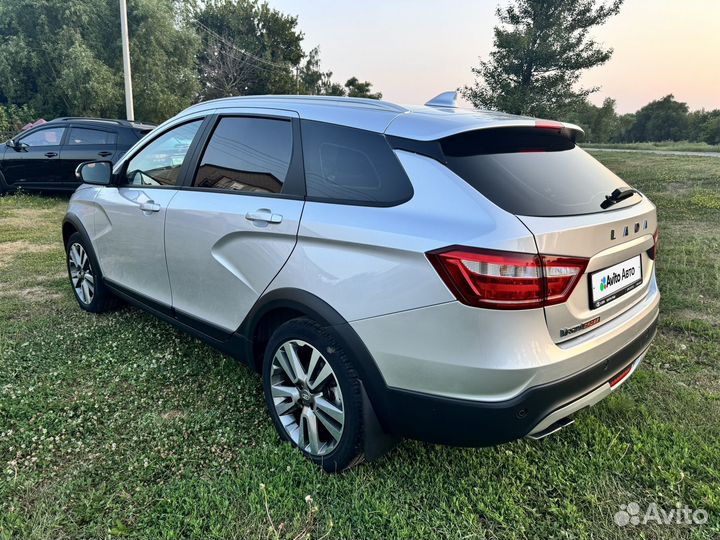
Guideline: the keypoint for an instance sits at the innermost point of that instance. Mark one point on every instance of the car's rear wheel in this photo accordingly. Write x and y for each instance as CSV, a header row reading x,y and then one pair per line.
x,y
313,394
90,292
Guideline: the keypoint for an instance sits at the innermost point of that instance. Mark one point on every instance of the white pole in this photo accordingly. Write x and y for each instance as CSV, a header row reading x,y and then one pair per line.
x,y
126,61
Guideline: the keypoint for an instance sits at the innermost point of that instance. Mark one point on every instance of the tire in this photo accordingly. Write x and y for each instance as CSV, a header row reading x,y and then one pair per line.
x,y
85,278
317,397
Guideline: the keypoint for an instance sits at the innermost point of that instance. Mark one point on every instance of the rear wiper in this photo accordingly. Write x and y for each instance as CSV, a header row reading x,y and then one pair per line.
x,y
617,196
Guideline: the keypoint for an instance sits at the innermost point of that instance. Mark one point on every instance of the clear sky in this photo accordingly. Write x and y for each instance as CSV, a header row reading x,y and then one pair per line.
x,y
412,50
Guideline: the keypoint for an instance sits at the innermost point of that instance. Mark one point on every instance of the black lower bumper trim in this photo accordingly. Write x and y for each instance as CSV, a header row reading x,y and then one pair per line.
x,y
468,423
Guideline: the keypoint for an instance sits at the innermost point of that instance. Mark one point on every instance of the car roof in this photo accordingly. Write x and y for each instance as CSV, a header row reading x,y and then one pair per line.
x,y
423,122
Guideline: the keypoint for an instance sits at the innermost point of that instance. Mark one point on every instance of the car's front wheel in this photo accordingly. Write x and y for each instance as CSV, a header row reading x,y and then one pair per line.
x,y
90,292
313,394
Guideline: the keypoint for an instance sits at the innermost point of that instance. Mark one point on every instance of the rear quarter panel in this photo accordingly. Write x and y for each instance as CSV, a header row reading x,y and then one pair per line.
x,y
369,261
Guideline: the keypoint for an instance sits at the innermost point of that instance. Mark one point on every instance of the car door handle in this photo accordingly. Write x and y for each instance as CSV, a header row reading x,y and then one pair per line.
x,y
104,153
50,154
149,206
263,215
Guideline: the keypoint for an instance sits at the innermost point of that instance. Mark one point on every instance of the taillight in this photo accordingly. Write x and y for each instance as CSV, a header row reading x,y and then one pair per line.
x,y
548,124
652,252
561,276
506,280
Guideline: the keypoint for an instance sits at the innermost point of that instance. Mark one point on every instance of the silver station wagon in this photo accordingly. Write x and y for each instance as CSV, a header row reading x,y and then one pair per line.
x,y
457,276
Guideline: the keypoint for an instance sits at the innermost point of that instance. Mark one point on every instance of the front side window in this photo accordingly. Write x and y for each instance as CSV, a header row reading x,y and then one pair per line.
x,y
349,165
159,163
44,137
85,136
247,154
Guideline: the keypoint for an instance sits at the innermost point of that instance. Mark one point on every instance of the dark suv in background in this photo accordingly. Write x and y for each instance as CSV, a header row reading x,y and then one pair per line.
x,y
44,158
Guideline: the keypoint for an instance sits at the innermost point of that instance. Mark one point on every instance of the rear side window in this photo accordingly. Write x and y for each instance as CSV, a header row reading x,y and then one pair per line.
x,y
83,136
532,172
350,165
247,154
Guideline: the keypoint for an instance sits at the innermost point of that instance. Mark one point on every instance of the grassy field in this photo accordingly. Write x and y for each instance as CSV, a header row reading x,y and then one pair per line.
x,y
118,425
680,146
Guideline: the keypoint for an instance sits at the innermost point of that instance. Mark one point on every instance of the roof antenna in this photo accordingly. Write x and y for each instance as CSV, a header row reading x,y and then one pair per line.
x,y
446,99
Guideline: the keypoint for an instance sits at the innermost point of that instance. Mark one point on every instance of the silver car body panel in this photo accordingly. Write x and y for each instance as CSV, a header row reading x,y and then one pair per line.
x,y
130,241
83,207
219,262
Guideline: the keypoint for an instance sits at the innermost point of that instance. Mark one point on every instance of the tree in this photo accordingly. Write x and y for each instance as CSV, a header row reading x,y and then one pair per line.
x,y
624,131
704,126
163,51
250,48
12,118
314,81
661,120
355,88
599,123
63,57
540,50
711,128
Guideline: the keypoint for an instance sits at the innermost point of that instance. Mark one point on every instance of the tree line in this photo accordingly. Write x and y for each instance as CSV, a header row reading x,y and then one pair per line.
x,y
540,50
664,119
63,57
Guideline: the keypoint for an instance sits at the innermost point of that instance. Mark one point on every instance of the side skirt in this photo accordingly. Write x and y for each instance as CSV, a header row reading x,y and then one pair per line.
x,y
232,344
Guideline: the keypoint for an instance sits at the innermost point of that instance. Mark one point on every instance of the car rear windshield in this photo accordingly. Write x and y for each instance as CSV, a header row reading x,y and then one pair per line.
x,y
532,172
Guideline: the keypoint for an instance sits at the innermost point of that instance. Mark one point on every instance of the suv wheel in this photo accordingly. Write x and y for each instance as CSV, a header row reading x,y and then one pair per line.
x,y
85,278
313,394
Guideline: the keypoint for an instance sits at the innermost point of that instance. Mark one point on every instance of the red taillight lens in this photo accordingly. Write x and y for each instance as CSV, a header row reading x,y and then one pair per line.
x,y
505,280
652,252
548,124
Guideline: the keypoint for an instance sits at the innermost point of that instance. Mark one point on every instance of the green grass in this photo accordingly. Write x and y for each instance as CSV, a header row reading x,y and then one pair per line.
x,y
119,425
676,146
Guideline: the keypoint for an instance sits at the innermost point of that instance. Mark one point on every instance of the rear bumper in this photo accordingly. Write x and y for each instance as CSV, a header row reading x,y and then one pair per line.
x,y
466,353
461,422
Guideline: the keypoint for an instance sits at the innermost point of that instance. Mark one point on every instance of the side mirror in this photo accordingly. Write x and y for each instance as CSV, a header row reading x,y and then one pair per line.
x,y
98,173
16,145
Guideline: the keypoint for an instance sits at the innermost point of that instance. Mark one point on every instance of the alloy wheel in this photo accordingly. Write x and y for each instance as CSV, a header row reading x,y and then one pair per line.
x,y
307,397
81,273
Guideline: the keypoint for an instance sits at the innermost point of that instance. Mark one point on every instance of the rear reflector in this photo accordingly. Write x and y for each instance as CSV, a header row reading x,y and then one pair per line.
x,y
624,374
506,280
